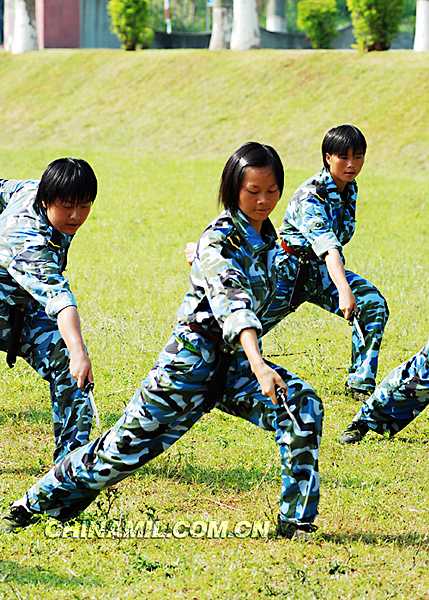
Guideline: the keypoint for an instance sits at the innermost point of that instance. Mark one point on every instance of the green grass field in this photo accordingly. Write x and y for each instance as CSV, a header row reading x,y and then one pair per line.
x,y
158,127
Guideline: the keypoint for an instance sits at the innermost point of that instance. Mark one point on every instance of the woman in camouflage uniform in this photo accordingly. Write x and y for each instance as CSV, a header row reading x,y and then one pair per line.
x,y
38,315
319,221
396,401
212,358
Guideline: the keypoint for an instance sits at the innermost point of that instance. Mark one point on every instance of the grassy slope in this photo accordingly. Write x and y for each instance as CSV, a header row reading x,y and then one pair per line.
x,y
158,140
206,104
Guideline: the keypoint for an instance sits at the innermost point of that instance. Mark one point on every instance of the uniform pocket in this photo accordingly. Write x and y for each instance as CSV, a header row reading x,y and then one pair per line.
x,y
187,360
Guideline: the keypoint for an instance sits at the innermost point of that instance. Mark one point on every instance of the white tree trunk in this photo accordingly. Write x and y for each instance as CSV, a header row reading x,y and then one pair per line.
x,y
8,24
421,39
24,36
222,25
245,27
276,16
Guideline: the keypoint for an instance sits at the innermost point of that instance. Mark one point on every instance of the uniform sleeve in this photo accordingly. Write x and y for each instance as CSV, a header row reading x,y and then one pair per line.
x,y
314,224
37,270
7,188
227,288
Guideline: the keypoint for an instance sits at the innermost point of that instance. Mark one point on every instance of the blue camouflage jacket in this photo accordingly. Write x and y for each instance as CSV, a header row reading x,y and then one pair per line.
x,y
233,278
318,216
33,254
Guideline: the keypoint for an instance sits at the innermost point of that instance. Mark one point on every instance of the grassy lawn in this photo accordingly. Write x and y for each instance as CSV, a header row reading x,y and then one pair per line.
x,y
158,127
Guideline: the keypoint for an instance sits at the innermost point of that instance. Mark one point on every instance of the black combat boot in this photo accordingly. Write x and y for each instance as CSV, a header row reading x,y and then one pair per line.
x,y
354,433
288,530
17,518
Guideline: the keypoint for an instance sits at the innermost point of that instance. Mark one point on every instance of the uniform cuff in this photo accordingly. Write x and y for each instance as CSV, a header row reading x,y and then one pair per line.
x,y
325,242
237,321
58,303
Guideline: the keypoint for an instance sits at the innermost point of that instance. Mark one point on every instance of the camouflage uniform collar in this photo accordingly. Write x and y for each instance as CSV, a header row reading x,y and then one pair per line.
x,y
325,178
252,239
59,239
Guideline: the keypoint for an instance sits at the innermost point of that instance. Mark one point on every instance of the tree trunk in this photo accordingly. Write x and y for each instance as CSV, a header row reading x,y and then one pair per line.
x,y
8,24
421,39
222,25
245,27
24,36
276,16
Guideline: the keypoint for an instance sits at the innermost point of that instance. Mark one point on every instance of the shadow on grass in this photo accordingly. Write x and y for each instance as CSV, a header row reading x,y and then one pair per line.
x,y
178,466
35,471
410,440
239,479
45,416
377,539
29,416
11,572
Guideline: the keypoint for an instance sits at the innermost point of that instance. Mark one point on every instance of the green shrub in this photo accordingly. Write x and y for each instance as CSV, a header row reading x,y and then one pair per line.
x,y
129,22
375,22
318,20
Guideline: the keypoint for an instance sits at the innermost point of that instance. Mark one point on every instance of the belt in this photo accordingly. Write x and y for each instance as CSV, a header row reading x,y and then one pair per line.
x,y
299,251
288,249
17,313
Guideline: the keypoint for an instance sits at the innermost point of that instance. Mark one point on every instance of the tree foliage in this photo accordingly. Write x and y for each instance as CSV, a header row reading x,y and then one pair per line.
x,y
318,19
375,22
129,22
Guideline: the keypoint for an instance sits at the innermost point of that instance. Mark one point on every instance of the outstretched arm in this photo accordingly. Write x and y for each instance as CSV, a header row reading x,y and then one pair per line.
x,y
80,364
346,301
266,376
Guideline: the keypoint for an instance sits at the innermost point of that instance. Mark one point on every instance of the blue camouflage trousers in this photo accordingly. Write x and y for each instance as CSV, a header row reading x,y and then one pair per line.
x,y
174,395
43,348
319,289
400,397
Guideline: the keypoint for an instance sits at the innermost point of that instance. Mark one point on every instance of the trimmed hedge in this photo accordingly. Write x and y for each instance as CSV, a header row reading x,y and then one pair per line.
x,y
318,20
375,22
129,22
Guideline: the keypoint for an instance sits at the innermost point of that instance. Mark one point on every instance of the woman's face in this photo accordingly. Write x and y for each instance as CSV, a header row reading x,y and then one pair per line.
x,y
67,216
345,167
259,194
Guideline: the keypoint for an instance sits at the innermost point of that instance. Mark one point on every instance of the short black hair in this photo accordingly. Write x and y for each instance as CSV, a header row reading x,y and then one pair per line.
x,y
67,179
339,139
251,154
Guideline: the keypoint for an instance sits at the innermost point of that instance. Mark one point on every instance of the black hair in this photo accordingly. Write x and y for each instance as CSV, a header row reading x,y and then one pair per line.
x,y
67,179
339,139
251,154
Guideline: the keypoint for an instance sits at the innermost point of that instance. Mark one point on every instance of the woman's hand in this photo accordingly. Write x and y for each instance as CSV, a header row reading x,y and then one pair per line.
x,y
80,365
190,250
81,368
268,379
266,376
347,302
